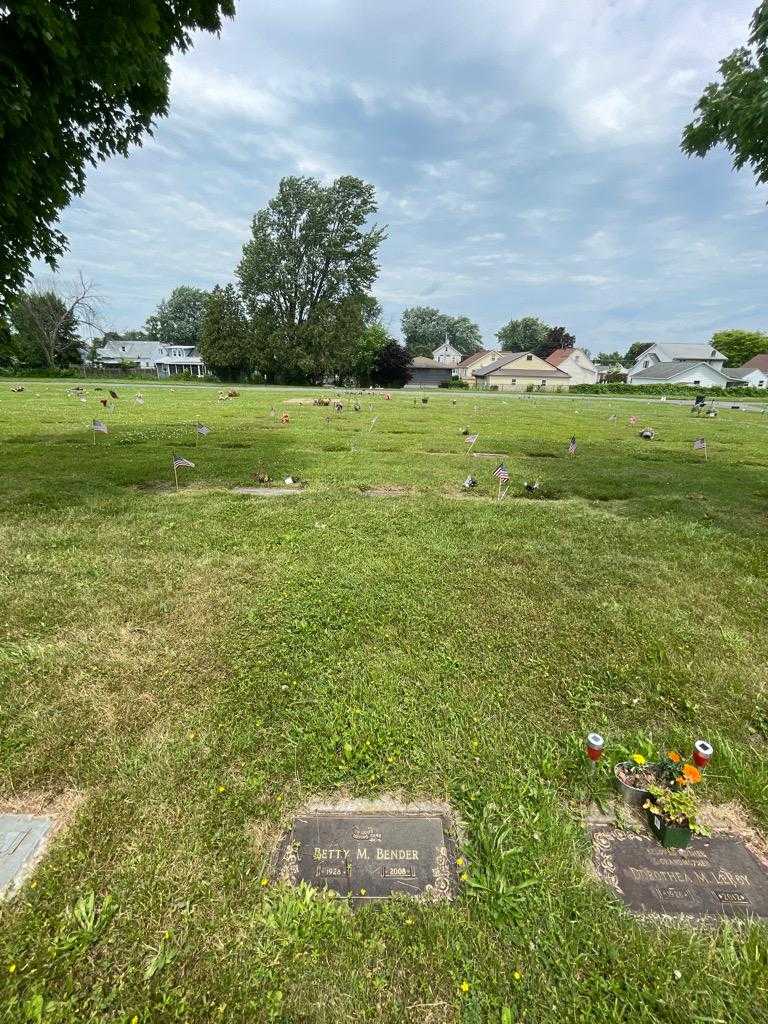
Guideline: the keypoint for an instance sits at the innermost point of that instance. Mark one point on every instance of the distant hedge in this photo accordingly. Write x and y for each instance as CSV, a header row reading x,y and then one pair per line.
x,y
670,390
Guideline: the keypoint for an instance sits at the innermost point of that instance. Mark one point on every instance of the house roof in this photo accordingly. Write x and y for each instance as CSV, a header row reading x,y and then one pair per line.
x,y
675,351
758,362
469,360
668,370
558,356
510,357
133,349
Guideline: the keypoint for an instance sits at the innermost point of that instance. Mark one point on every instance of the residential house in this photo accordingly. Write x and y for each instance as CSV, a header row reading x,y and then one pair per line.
x,y
447,355
150,356
753,374
476,361
517,371
427,373
576,363
666,363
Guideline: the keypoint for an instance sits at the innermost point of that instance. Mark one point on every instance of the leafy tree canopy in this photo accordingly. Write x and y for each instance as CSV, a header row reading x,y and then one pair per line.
x,y
391,366
43,331
305,275
426,328
557,337
81,81
609,359
178,318
740,346
524,335
733,112
226,340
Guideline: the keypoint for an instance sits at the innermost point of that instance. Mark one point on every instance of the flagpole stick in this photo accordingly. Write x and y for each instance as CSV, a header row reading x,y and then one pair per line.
x,y
94,435
176,476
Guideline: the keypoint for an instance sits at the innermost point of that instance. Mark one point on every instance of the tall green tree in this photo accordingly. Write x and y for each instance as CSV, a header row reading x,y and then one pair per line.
x,y
226,340
305,274
391,366
523,335
733,112
740,346
81,81
179,317
363,355
43,331
426,328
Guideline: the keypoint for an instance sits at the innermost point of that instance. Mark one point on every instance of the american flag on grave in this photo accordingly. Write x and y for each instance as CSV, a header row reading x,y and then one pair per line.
x,y
501,474
179,462
700,445
572,446
471,438
99,427
202,430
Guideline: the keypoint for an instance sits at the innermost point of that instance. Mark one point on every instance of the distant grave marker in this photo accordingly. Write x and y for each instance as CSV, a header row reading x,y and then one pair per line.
x,y
716,877
22,837
267,492
371,857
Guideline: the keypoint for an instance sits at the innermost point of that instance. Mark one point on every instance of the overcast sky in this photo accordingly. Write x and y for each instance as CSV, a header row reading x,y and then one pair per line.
x,y
525,157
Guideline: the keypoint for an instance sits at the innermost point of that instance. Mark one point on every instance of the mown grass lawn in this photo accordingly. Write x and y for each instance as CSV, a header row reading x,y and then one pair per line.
x,y
194,666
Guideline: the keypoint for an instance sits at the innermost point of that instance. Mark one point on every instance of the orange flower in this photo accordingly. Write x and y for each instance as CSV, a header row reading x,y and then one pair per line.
x,y
680,780
674,757
691,773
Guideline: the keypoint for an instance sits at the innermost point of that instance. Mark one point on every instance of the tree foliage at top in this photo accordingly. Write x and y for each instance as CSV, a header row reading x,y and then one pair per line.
x,y
426,328
391,366
734,111
82,80
306,271
557,337
524,335
43,331
226,344
740,346
178,318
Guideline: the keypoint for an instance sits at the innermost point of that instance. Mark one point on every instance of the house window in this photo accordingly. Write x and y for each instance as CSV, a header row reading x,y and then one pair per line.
x,y
122,348
646,364
513,381
529,358
544,383
697,382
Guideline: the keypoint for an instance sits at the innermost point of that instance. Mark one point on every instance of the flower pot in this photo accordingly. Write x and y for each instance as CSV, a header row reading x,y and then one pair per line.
x,y
675,837
634,795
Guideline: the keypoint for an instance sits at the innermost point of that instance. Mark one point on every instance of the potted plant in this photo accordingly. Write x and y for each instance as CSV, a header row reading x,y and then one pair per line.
x,y
672,814
633,778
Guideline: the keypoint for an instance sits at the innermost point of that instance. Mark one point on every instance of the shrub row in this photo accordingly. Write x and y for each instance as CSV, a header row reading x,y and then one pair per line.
x,y
670,390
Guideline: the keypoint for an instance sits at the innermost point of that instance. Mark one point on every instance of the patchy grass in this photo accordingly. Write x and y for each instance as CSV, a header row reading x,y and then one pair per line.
x,y
196,664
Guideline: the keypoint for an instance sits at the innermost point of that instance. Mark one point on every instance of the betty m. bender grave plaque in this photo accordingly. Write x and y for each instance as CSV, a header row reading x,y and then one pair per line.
x,y
21,839
371,856
717,877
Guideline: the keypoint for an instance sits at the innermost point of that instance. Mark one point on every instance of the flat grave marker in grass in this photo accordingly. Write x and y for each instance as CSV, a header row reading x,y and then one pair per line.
x,y
267,492
22,837
716,877
371,857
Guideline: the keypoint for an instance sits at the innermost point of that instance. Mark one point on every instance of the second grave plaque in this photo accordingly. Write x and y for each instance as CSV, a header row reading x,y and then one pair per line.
x,y
371,856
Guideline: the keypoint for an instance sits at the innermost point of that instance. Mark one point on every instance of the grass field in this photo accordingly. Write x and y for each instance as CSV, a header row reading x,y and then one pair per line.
x,y
179,671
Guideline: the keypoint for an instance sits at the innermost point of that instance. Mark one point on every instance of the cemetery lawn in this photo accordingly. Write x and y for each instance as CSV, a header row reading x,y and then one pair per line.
x,y
181,671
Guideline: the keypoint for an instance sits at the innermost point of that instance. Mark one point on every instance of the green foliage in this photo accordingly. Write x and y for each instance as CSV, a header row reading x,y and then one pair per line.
x,y
670,390
362,357
81,82
740,346
43,332
733,111
454,384
677,806
179,318
226,341
391,366
305,275
426,328
524,335
609,359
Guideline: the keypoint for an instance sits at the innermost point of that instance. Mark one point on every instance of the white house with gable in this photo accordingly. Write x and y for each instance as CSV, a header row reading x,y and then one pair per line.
x,y
576,363
447,355
699,366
